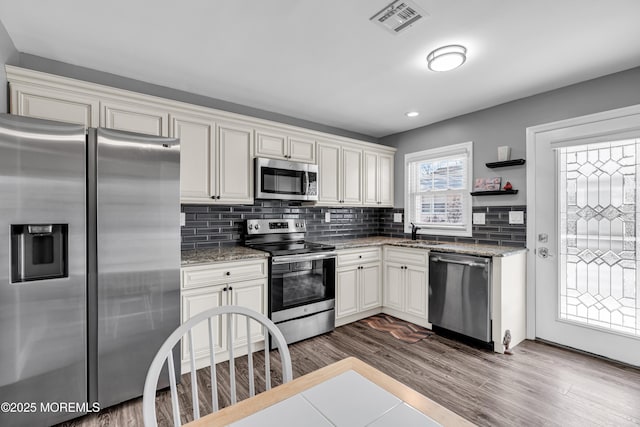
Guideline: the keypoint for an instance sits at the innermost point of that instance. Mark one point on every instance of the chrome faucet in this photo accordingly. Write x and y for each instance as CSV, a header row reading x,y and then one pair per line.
x,y
414,231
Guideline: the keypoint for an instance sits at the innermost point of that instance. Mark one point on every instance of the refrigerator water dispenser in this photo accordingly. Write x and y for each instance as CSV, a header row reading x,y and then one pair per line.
x,y
38,252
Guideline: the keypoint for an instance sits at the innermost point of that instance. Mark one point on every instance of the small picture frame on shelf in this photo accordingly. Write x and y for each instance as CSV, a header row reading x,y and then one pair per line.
x,y
487,184
504,153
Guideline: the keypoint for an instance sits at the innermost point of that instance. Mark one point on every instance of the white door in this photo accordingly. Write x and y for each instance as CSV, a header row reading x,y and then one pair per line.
x,y
385,177
302,149
49,104
234,163
196,155
351,176
328,173
583,232
370,295
250,294
132,117
371,179
347,291
394,283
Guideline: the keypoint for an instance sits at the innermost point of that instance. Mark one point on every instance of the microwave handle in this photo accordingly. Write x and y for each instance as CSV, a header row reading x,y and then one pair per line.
x,y
305,183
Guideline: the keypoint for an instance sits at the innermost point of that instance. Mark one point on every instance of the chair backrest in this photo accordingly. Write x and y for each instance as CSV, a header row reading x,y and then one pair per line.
x,y
186,331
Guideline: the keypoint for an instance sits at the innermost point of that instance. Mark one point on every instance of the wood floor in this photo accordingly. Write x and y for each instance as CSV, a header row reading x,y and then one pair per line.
x,y
538,385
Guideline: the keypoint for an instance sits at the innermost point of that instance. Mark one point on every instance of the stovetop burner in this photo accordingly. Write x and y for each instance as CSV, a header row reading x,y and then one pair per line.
x,y
291,248
281,237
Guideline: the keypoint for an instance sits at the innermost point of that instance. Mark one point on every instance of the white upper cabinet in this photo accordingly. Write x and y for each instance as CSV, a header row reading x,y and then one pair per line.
x,y
329,171
217,147
385,176
234,163
351,176
302,149
52,104
215,160
339,175
275,144
378,179
271,144
197,155
134,117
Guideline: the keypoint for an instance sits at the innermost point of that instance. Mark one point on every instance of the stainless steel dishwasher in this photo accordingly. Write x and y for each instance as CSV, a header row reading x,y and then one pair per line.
x,y
460,294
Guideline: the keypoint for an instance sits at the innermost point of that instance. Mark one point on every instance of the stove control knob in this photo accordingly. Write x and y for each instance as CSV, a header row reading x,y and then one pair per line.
x,y
302,224
297,225
257,226
250,226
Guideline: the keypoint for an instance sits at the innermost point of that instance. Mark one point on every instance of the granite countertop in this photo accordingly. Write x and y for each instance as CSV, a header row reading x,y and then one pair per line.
x,y
236,253
450,247
233,253
361,242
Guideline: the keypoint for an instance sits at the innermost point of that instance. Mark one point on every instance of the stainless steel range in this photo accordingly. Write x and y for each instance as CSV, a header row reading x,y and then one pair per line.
x,y
301,277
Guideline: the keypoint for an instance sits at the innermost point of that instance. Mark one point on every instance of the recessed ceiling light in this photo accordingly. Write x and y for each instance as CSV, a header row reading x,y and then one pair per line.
x,y
447,58
412,114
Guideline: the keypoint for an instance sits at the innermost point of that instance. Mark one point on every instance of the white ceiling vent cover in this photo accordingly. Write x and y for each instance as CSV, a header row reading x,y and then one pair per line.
x,y
398,16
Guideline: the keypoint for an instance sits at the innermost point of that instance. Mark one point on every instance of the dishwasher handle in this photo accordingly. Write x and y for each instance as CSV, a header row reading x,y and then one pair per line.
x,y
460,261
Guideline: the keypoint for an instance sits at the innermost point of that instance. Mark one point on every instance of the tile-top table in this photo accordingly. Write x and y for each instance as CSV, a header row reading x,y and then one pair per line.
x,y
347,393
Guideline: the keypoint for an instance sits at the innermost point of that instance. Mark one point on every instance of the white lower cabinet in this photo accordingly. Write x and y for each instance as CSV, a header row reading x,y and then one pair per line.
x,y
358,284
242,283
405,283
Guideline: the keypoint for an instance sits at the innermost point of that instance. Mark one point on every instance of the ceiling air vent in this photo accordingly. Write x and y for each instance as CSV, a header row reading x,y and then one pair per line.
x,y
398,16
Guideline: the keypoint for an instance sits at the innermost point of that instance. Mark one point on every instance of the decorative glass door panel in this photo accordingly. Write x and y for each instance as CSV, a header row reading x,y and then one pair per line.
x,y
598,265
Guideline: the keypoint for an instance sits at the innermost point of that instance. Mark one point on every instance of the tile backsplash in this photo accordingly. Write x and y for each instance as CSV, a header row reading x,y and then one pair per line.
x,y
211,226
495,231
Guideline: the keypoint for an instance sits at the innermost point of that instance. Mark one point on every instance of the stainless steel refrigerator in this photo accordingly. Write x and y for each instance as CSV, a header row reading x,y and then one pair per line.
x,y
89,265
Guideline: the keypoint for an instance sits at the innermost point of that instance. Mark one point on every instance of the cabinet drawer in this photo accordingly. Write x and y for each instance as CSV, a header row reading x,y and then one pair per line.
x,y
224,272
358,256
412,256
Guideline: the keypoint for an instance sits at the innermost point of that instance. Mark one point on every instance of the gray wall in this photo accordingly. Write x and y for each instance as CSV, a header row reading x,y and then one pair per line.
x,y
87,74
506,125
8,53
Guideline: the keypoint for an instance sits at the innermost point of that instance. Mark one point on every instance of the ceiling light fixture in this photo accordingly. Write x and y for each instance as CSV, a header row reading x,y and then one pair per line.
x,y
447,58
412,114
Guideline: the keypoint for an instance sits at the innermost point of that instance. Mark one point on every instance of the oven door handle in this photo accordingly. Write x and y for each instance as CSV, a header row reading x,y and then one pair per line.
x,y
302,257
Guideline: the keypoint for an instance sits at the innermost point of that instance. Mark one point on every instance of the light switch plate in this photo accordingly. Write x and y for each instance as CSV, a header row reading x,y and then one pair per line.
x,y
183,219
478,218
327,217
397,217
516,217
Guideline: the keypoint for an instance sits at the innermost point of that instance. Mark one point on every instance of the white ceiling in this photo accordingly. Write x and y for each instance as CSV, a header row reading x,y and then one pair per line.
x,y
324,61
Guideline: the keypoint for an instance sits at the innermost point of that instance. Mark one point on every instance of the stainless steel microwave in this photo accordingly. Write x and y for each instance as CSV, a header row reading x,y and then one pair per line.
x,y
285,180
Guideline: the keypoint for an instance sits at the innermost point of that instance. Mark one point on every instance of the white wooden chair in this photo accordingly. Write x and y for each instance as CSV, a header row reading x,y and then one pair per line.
x,y
185,331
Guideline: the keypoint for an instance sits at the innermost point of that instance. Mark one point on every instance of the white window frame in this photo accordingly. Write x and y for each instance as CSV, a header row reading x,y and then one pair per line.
x,y
466,149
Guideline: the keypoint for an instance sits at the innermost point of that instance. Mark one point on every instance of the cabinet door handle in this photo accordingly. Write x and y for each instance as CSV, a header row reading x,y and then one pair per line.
x,y
360,256
228,273
230,288
213,197
218,197
225,289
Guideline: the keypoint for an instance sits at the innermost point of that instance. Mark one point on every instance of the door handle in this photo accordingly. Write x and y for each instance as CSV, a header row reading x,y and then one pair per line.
x,y
305,183
544,253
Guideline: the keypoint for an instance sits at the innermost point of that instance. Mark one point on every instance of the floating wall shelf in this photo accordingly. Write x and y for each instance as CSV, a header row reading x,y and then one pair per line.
x,y
505,163
493,193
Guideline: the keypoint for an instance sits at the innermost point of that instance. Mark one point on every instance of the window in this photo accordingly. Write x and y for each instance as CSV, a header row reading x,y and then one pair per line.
x,y
437,190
